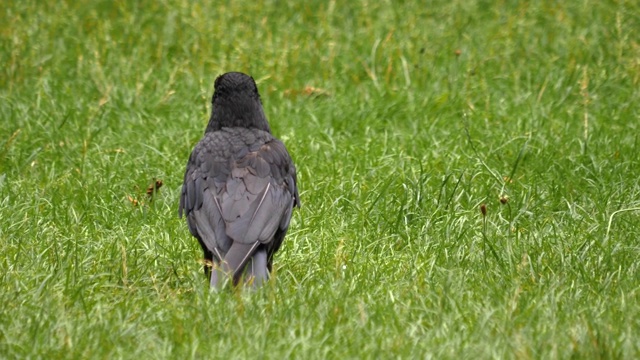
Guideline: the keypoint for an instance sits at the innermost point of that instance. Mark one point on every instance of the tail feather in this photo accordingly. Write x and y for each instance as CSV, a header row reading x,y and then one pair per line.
x,y
257,271
233,263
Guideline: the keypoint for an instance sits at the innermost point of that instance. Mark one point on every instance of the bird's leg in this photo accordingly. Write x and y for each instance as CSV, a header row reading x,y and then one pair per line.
x,y
208,263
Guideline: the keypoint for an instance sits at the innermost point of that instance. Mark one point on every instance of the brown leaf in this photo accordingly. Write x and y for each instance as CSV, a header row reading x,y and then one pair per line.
x,y
154,187
133,201
308,90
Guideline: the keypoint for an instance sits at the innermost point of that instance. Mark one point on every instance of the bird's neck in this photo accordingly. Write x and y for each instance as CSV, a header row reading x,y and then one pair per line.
x,y
251,116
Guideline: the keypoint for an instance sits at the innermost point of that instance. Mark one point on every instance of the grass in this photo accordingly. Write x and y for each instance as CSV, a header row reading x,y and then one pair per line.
x,y
403,119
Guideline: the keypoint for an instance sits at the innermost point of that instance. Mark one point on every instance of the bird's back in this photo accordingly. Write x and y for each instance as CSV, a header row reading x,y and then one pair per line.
x,y
239,188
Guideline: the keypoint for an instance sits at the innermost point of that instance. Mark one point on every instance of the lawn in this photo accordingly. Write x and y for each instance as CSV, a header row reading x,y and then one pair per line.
x,y
468,171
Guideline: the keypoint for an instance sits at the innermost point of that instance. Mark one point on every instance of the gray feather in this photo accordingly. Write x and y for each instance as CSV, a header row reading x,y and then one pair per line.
x,y
257,270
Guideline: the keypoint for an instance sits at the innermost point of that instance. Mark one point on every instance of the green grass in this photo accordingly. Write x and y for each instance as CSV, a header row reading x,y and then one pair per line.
x,y
424,112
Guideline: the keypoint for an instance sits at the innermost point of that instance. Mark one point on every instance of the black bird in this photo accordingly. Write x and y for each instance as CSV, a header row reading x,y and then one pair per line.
x,y
239,187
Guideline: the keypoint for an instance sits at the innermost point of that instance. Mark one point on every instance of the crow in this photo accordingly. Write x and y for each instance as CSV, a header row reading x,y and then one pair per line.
x,y
239,187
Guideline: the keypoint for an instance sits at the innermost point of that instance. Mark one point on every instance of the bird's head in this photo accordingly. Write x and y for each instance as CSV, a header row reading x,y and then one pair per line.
x,y
236,103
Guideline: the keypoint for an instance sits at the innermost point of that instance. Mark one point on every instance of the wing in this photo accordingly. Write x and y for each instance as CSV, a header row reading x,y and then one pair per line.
x,y
206,172
259,194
